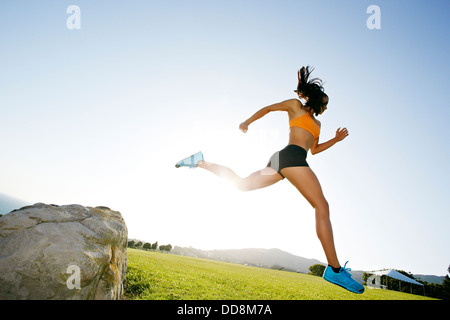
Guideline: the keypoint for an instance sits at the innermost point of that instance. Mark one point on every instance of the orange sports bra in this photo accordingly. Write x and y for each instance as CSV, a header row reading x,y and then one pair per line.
x,y
306,122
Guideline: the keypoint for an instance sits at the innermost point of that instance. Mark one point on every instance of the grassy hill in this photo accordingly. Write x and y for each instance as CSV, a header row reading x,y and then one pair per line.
x,y
159,276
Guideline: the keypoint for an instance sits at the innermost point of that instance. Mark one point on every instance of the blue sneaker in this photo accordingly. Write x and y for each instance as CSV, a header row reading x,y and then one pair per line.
x,y
343,279
191,161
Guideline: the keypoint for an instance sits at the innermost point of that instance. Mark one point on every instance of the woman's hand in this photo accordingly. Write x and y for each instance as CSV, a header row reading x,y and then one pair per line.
x,y
341,134
243,126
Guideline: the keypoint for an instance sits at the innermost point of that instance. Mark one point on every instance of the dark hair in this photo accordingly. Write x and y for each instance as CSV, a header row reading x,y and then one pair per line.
x,y
312,89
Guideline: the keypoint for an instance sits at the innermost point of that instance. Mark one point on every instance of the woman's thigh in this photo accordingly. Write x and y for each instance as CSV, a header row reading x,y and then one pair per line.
x,y
306,182
260,179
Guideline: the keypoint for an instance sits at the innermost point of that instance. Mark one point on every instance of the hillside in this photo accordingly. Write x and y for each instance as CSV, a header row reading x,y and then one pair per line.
x,y
274,259
160,276
266,258
430,278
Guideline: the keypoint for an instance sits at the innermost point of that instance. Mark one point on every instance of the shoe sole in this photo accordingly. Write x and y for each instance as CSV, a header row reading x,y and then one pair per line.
x,y
340,285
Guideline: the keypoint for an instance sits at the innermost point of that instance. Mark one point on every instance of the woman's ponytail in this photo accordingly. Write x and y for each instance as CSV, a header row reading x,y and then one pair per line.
x,y
312,89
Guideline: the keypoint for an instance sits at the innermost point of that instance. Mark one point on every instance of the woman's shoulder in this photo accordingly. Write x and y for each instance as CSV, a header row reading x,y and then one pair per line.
x,y
295,105
297,109
294,102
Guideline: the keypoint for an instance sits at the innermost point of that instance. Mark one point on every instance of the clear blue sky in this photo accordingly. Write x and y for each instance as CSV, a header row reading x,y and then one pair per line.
x,y
100,115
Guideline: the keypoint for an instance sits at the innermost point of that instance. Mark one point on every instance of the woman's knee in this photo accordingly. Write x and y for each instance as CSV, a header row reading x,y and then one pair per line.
x,y
242,185
322,206
257,180
246,184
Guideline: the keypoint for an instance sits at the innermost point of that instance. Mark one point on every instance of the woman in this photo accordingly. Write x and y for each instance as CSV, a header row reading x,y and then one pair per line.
x,y
290,163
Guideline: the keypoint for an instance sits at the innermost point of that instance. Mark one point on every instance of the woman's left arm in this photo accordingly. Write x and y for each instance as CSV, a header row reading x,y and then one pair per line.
x,y
341,134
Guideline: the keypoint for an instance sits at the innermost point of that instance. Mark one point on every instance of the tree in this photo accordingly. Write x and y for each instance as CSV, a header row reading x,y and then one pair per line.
x,y
446,286
147,246
316,270
165,247
366,276
131,244
155,245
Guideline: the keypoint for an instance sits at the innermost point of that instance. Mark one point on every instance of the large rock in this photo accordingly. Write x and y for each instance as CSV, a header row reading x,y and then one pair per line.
x,y
62,252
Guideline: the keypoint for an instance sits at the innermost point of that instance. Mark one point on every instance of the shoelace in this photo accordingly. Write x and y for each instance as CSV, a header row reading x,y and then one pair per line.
x,y
345,270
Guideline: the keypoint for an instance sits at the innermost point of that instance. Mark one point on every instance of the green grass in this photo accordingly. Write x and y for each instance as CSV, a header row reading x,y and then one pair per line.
x,y
158,276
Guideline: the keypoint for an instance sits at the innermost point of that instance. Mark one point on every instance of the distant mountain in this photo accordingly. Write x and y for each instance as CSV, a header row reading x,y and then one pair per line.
x,y
430,278
274,259
266,258
8,203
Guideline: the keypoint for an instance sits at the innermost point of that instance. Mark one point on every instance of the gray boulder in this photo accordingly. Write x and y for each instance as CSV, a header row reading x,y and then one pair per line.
x,y
62,252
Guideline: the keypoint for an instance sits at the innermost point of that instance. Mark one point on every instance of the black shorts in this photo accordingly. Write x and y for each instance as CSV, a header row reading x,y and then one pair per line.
x,y
291,156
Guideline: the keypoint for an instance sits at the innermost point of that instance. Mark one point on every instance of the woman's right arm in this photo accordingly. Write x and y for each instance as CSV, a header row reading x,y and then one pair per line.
x,y
287,105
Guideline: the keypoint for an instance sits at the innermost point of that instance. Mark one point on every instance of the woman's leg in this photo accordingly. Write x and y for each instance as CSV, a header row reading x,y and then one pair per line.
x,y
259,179
304,179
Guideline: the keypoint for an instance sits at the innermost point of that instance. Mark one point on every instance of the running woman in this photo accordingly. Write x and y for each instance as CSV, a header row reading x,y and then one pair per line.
x,y
290,163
